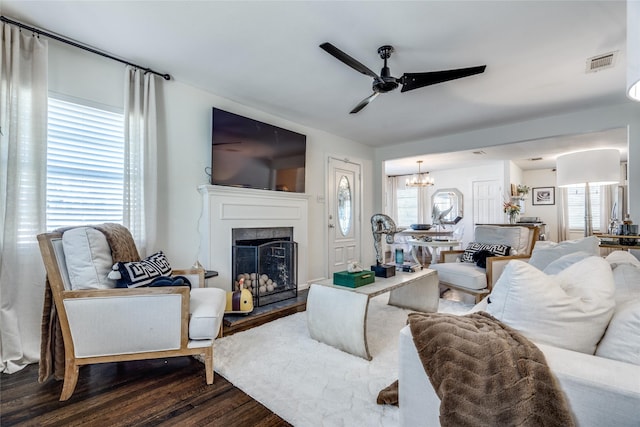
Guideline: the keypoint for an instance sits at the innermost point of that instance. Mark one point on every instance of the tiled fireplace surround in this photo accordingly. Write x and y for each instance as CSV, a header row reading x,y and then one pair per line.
x,y
227,208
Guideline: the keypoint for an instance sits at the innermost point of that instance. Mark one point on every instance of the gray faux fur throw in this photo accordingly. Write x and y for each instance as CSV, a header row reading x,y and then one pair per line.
x,y
485,373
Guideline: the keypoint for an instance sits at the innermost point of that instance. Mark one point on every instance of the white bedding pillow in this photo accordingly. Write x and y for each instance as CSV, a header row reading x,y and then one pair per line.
x,y
88,258
621,341
544,253
570,309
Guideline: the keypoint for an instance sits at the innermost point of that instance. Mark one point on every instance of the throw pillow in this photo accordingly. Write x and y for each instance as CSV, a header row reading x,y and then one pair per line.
x,y
622,257
88,258
495,248
480,257
544,253
620,341
141,273
627,280
565,261
569,310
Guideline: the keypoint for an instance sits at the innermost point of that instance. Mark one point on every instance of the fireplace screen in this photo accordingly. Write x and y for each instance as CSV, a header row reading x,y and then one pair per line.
x,y
268,270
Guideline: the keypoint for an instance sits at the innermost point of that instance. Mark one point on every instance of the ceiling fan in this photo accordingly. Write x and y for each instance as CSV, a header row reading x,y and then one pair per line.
x,y
385,82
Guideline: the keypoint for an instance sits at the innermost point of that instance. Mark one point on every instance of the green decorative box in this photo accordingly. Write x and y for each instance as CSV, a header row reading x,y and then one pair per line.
x,y
353,280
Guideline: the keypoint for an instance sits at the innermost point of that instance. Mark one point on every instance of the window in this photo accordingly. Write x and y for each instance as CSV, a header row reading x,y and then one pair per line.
x,y
407,202
85,164
575,203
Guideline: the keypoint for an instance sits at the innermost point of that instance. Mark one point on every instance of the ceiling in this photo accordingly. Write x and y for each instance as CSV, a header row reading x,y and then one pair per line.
x,y
265,55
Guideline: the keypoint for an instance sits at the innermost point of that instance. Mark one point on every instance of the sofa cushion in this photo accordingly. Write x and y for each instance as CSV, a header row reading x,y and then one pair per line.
x,y
544,252
88,258
565,261
622,257
141,273
627,280
206,306
498,249
461,274
621,341
515,237
569,310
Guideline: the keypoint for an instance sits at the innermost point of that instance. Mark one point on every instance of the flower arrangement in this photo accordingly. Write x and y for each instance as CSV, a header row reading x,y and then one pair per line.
x,y
510,208
522,190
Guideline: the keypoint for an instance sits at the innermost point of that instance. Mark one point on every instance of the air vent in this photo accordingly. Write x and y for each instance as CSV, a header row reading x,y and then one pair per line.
x,y
601,62
535,159
479,153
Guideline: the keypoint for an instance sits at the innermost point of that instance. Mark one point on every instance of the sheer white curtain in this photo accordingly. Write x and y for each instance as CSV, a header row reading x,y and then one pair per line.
x,y
141,176
23,156
607,199
563,214
414,208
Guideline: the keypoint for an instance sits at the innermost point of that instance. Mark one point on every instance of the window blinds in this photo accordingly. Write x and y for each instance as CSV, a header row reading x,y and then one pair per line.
x,y
85,165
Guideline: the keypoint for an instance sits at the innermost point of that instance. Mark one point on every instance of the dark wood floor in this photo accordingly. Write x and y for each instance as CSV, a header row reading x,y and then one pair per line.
x,y
163,392
170,392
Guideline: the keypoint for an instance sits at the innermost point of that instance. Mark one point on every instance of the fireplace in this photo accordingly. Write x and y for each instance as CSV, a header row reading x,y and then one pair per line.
x,y
227,210
265,261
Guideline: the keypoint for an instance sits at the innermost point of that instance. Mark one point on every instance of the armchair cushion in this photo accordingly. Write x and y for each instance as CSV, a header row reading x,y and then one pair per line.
x,y
141,273
569,310
518,238
88,258
461,274
495,248
206,306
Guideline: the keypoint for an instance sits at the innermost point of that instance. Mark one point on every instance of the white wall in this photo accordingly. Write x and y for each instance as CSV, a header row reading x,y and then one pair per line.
x,y
547,213
185,152
463,179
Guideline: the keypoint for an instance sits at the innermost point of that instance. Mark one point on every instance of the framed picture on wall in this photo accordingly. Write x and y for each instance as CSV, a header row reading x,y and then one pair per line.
x,y
543,196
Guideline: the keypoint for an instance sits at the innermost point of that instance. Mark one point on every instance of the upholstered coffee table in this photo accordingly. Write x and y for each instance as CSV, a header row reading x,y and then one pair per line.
x,y
337,315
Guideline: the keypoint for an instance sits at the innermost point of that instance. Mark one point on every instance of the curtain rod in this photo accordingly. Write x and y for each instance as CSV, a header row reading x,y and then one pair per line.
x,y
80,46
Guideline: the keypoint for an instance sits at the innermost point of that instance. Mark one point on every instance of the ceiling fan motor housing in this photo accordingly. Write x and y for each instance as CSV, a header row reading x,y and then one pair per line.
x,y
386,82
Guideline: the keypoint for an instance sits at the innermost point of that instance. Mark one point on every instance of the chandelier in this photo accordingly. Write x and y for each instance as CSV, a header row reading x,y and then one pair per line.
x,y
421,179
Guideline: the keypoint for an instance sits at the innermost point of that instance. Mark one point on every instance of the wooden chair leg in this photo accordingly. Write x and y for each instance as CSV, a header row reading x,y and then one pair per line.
x,y
208,364
70,380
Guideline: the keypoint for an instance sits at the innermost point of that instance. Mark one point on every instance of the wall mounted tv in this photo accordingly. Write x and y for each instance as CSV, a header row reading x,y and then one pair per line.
x,y
251,154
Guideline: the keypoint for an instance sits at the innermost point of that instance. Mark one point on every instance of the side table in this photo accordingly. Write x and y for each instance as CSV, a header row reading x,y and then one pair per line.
x,y
432,246
337,315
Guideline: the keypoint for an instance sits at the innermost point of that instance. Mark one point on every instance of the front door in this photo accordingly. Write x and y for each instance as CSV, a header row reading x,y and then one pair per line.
x,y
344,201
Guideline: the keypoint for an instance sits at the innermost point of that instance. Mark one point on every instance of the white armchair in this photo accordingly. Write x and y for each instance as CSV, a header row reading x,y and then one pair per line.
x,y
467,276
122,324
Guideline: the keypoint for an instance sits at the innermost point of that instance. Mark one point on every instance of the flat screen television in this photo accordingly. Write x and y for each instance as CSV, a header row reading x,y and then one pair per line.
x,y
251,154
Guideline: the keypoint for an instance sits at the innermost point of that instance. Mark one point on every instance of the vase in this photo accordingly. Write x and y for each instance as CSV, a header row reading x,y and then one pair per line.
x,y
513,218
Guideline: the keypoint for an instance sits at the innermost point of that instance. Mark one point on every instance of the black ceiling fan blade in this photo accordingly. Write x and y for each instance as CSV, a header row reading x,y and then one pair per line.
x,y
364,102
356,65
412,81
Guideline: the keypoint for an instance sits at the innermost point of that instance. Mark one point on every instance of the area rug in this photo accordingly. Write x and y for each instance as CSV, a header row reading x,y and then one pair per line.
x,y
308,383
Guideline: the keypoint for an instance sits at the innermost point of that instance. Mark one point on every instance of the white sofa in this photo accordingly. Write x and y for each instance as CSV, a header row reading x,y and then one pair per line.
x,y
600,391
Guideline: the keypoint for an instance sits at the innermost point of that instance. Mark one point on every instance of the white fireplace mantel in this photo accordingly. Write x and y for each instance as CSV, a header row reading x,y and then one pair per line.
x,y
225,208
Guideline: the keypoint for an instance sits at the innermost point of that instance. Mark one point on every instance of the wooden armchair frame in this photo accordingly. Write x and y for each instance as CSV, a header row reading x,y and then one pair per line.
x,y
60,295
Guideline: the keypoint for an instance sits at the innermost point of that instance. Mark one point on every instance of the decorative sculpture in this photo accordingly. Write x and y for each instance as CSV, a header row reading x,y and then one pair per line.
x,y
438,216
382,224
